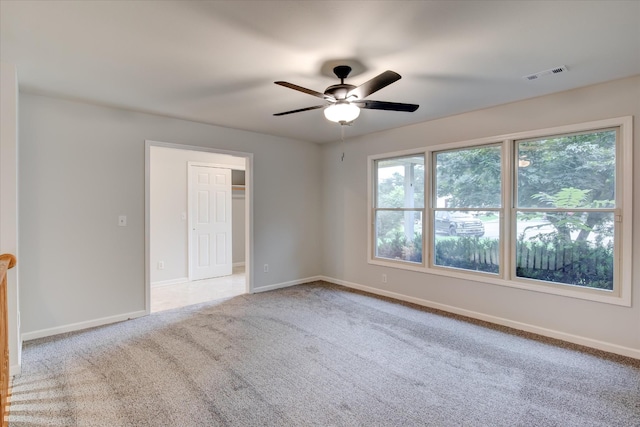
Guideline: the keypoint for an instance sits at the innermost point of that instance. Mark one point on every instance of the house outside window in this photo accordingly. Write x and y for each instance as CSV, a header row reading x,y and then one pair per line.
x,y
399,208
547,210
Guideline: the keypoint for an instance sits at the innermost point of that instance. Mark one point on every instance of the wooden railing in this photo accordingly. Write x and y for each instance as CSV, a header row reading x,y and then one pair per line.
x,y
7,261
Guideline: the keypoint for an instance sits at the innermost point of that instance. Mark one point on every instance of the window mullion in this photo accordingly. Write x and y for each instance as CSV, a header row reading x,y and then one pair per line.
x,y
561,243
507,248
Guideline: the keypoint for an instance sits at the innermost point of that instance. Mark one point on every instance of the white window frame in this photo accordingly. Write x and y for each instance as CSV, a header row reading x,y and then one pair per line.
x,y
621,294
372,195
431,153
372,178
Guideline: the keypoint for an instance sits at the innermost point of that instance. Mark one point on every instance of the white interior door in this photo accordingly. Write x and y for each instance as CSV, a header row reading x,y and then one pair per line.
x,y
210,222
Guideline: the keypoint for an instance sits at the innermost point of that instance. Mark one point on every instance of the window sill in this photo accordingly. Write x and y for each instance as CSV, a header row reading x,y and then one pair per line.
x,y
570,291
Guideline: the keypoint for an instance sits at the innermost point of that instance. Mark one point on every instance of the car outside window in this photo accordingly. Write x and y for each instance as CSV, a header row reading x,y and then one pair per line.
x,y
546,210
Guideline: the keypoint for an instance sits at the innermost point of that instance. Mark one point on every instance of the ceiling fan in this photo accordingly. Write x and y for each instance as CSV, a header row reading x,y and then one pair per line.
x,y
344,101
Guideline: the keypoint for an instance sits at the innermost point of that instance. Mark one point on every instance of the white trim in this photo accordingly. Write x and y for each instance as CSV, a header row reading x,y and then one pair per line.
x,y
626,244
248,158
288,284
72,327
551,333
238,264
396,154
596,295
161,283
371,182
201,148
372,178
147,226
508,227
621,297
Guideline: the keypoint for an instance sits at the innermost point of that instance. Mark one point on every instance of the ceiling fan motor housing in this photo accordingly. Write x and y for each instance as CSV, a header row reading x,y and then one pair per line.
x,y
346,100
338,92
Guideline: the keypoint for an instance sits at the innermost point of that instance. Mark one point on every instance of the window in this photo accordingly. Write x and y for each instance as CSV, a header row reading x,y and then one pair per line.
x,y
565,209
546,210
399,208
468,202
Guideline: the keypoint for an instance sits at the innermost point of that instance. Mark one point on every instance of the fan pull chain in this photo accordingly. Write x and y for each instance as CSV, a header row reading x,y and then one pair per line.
x,y
342,137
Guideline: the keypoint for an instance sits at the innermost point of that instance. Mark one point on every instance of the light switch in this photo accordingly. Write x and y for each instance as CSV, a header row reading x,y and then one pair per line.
x,y
122,220
183,216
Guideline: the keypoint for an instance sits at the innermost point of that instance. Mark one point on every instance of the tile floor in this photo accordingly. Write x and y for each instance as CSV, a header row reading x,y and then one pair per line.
x,y
187,293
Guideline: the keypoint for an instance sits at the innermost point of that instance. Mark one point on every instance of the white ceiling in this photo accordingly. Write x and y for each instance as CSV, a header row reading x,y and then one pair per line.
x,y
216,61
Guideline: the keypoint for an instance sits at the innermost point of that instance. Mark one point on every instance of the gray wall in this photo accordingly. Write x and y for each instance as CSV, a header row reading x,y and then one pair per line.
x,y
345,214
82,165
9,203
168,228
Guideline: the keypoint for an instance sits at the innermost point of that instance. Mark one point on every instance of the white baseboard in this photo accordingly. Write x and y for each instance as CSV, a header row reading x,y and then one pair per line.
x,y
169,282
238,264
27,336
287,284
575,339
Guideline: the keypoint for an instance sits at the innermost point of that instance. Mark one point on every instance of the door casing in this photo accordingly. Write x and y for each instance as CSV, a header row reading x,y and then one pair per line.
x,y
248,157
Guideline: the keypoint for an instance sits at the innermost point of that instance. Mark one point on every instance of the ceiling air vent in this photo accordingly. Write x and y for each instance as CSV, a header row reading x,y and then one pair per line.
x,y
556,70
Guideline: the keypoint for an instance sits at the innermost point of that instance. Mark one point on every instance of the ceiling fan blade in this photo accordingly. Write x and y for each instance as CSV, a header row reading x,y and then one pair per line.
x,y
375,84
382,105
301,89
315,107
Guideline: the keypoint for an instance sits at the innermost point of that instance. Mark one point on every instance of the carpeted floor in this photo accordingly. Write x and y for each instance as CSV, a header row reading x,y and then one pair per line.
x,y
317,355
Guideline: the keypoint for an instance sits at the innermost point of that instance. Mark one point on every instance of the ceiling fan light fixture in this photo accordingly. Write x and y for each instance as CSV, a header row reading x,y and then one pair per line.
x,y
342,112
345,100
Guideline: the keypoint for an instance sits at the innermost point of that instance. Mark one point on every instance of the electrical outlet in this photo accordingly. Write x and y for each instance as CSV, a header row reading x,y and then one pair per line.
x,y
160,265
266,268
384,278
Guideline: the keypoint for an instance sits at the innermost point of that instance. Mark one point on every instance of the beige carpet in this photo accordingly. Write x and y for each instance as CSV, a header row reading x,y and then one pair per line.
x,y
317,355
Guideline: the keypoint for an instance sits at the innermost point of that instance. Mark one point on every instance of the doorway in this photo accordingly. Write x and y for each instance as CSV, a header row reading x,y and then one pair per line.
x,y
198,291
168,227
